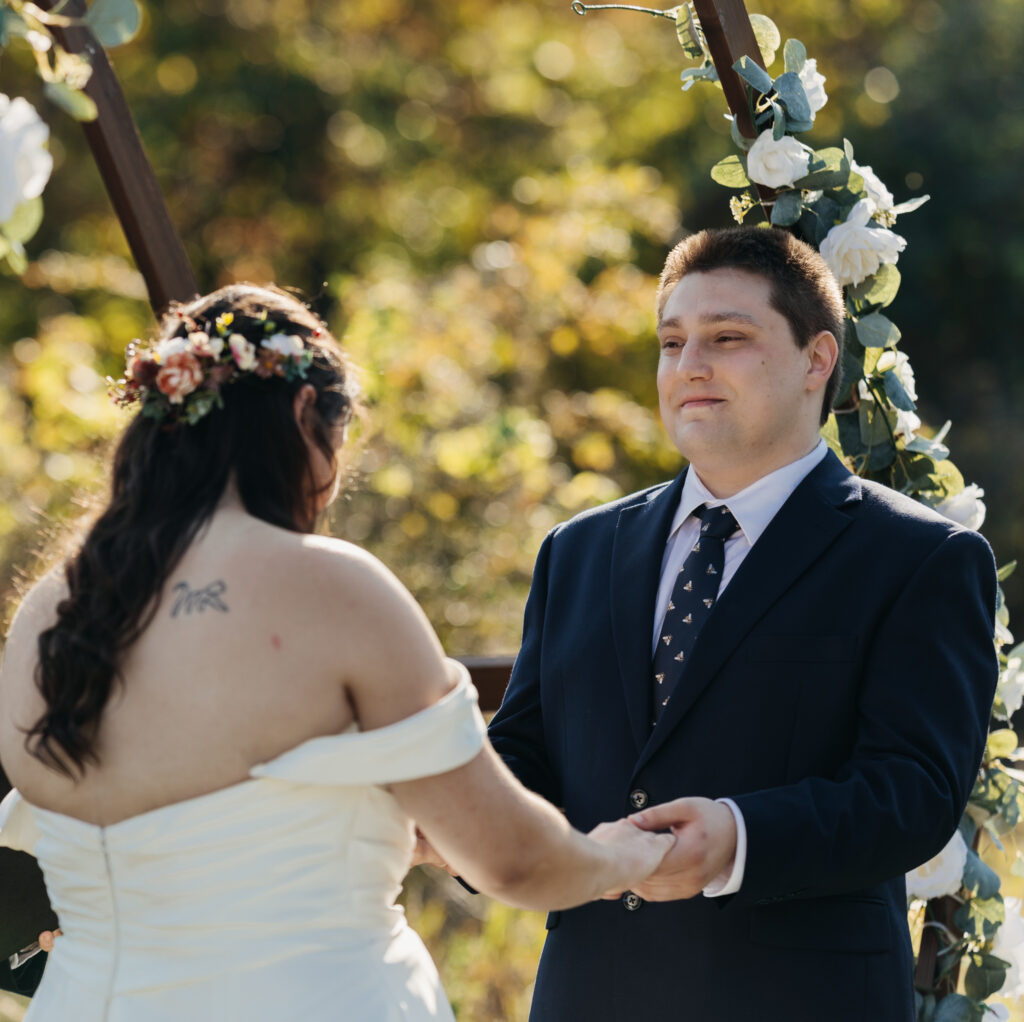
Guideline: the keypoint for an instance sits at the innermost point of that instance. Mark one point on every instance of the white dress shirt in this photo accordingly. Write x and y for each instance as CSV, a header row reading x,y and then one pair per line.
x,y
753,508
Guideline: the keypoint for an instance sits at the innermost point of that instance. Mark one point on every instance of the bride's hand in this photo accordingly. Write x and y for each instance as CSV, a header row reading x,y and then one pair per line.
x,y
635,859
47,937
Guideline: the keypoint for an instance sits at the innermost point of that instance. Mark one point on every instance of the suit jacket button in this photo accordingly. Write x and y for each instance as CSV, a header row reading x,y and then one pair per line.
x,y
638,798
632,901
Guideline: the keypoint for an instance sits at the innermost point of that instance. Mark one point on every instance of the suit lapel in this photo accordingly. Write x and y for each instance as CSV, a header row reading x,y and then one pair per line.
x,y
637,551
808,523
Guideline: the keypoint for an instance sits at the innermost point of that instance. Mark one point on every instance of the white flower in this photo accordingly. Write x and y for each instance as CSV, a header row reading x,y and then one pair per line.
x,y
813,82
777,164
854,251
905,374
170,346
25,162
965,508
1010,689
201,343
1009,945
1003,634
942,874
243,351
877,192
907,424
284,344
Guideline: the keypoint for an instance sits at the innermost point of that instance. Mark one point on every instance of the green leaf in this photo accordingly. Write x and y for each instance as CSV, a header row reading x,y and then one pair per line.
x,y
114,22
706,72
795,55
791,94
754,75
778,121
876,331
730,172
874,424
955,1008
742,142
1001,744
16,258
896,392
76,103
981,917
979,878
686,32
829,168
25,221
1017,869
1005,571
985,975
787,209
878,290
768,37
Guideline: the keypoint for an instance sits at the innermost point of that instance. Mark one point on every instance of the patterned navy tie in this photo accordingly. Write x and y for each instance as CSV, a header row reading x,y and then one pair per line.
x,y
693,596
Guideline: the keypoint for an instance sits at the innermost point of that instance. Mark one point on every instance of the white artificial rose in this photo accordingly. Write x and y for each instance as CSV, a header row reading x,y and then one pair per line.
x,y
243,352
877,192
1010,689
941,875
284,344
905,374
170,346
1009,945
777,164
813,82
965,508
854,250
25,162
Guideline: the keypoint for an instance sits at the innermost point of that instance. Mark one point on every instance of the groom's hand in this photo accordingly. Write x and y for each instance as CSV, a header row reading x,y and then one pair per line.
x,y
705,833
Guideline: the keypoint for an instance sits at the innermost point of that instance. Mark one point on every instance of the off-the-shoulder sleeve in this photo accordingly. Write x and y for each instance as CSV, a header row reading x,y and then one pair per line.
x,y
440,738
17,825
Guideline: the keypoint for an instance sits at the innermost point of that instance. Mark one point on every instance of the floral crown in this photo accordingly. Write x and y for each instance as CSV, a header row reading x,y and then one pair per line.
x,y
180,378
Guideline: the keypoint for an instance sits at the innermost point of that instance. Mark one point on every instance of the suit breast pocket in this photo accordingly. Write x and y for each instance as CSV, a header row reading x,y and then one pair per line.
x,y
802,649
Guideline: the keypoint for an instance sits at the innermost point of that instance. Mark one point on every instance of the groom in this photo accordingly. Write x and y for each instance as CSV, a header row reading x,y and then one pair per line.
x,y
798,662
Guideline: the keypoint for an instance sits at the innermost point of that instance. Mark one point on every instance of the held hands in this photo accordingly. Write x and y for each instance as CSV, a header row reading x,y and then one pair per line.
x,y
46,939
634,860
426,855
705,845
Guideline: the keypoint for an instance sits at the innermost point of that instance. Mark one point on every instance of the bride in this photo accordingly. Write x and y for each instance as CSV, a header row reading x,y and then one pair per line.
x,y
220,727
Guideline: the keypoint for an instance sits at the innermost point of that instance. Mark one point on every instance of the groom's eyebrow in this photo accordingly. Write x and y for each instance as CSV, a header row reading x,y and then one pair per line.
x,y
727,315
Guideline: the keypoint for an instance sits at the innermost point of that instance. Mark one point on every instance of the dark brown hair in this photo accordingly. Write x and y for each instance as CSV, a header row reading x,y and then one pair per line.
x,y
165,483
803,289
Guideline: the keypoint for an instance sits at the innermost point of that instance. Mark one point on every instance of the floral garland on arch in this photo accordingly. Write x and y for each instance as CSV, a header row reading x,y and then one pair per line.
x,y
843,209
25,160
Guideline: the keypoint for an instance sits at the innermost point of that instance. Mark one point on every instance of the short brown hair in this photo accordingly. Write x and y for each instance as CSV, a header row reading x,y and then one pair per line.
x,y
803,289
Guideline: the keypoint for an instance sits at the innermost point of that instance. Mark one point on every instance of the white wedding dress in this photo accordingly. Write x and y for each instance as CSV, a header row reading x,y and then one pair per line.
x,y
268,901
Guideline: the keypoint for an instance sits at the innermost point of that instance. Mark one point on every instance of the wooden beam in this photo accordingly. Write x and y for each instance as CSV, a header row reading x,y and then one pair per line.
x,y
127,172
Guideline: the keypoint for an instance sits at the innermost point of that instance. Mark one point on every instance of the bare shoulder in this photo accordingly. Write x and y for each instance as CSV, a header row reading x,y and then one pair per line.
x,y
37,609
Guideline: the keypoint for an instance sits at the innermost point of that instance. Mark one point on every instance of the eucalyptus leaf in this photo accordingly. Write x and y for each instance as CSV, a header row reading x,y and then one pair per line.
x,y
730,172
753,74
76,103
686,32
875,424
778,121
829,168
985,975
768,37
797,126
848,149
795,55
786,209
16,258
878,290
897,393
1001,744
1006,571
954,1008
25,221
791,93
740,140
877,331
979,878
923,445
706,72
981,917
114,22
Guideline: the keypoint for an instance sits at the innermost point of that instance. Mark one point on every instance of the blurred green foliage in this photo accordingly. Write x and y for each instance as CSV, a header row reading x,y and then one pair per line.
x,y
478,197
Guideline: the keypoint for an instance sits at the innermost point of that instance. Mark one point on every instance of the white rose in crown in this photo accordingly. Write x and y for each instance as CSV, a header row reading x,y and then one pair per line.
x,y
284,344
25,162
813,82
854,250
170,346
877,192
1010,689
777,164
941,875
1009,945
243,352
965,508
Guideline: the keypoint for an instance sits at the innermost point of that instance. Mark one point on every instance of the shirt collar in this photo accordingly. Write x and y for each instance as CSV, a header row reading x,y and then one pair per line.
x,y
755,506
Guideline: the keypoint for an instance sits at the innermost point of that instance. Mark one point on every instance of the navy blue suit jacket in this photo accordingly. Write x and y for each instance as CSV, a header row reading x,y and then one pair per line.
x,y
839,693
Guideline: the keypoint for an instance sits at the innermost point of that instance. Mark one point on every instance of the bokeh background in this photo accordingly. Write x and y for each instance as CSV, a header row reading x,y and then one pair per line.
x,y
478,197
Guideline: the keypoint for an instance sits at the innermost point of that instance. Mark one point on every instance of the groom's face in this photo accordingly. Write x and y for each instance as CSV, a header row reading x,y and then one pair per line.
x,y
738,396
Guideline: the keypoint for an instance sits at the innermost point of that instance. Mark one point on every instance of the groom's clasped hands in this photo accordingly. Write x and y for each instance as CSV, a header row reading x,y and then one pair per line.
x,y
704,847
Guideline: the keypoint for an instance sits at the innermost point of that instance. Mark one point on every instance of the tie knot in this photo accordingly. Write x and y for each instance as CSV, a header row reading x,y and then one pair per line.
x,y
717,522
